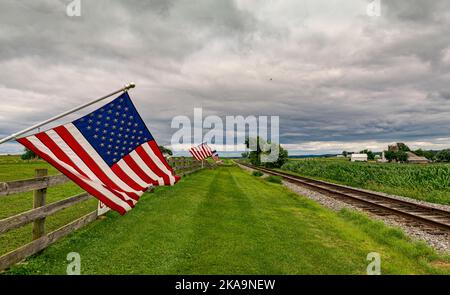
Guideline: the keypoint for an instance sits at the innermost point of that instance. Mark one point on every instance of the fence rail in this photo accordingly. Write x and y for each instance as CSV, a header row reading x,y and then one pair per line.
x,y
39,184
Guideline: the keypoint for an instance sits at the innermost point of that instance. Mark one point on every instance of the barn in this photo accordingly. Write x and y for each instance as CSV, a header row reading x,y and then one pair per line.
x,y
358,158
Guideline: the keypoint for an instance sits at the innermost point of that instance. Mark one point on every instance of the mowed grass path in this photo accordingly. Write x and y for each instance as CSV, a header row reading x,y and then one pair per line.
x,y
225,221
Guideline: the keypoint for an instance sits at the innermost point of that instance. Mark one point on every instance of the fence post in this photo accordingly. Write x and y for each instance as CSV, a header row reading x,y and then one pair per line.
x,y
39,201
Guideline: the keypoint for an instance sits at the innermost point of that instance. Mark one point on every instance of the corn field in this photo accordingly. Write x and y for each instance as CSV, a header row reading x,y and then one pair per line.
x,y
427,182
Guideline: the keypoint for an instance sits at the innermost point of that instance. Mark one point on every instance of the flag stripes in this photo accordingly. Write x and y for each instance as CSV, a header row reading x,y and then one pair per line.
x,y
110,153
201,152
119,186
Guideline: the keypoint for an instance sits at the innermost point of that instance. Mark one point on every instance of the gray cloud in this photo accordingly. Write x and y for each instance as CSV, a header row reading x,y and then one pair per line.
x,y
332,73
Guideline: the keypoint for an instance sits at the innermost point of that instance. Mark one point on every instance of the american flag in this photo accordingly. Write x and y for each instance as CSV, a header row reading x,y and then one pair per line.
x,y
110,153
201,152
215,156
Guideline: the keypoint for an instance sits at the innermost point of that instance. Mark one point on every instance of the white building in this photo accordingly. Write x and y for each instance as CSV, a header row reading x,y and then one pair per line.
x,y
358,158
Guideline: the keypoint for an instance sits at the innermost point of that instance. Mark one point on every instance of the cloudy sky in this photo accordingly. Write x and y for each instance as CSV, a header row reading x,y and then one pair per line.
x,y
337,77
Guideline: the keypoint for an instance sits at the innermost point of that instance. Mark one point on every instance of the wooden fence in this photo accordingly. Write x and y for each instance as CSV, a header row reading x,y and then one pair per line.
x,y
40,210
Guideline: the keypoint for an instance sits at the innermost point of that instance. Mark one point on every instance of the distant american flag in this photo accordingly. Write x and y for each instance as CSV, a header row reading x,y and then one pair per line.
x,y
215,156
110,153
201,152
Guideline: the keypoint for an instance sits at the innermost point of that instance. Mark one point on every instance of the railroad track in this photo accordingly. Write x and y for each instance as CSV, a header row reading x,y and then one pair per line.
x,y
414,214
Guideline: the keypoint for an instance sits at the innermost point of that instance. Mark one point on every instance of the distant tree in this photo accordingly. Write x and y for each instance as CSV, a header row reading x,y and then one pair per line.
x,y
369,153
402,156
403,147
282,158
265,147
390,155
345,153
443,156
165,150
430,155
28,155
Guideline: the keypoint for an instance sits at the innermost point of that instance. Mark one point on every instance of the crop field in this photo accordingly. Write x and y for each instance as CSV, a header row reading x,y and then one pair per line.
x,y
423,182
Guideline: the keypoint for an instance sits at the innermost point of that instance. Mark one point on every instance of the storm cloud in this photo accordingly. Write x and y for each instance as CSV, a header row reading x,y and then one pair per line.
x,y
337,77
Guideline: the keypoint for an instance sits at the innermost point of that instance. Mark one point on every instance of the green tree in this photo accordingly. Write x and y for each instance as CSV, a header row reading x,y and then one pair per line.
x,y
369,153
403,147
430,155
402,156
345,153
165,150
390,155
244,155
28,155
443,156
266,148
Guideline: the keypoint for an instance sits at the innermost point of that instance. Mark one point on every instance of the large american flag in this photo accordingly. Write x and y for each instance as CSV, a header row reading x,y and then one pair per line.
x,y
110,153
201,152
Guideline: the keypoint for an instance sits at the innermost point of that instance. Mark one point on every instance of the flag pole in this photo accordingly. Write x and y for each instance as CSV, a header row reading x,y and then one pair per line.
x,y
14,135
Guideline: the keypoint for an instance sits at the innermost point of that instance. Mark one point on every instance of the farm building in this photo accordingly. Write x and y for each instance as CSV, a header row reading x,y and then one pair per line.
x,y
415,159
358,158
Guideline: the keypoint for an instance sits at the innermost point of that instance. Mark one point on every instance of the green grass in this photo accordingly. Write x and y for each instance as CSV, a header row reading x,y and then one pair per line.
x,y
423,182
13,168
257,173
225,221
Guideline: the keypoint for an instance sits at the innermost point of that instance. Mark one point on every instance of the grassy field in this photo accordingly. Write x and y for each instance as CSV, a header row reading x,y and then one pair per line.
x,y
226,221
423,182
13,168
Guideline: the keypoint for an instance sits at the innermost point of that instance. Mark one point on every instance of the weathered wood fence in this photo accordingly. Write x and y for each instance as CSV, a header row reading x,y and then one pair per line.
x,y
40,210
